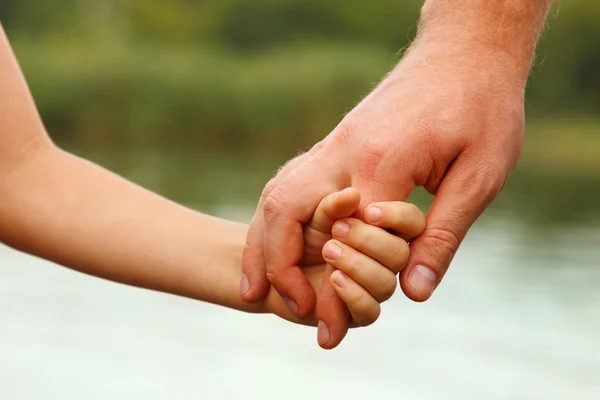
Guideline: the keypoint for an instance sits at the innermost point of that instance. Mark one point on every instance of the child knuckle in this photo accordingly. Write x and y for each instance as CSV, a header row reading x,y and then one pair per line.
x,y
400,254
387,288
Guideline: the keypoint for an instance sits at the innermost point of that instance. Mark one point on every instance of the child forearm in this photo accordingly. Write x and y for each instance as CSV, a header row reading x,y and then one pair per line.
x,y
62,208
70,211
74,213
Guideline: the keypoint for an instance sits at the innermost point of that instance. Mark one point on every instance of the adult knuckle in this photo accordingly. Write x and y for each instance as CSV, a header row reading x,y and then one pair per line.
x,y
495,183
486,178
371,156
345,130
482,185
268,188
247,251
442,243
317,146
433,132
274,202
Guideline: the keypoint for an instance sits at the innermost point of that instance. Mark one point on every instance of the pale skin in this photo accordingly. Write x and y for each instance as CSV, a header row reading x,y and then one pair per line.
x,y
68,210
449,117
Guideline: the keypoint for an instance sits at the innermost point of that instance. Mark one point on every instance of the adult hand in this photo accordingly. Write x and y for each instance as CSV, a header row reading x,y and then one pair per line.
x,y
450,118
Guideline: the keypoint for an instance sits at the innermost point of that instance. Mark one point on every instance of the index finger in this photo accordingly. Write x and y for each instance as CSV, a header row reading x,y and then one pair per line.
x,y
254,284
290,205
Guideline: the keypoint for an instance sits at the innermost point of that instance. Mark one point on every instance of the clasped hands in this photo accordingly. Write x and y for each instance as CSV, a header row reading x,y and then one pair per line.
x,y
448,118
351,264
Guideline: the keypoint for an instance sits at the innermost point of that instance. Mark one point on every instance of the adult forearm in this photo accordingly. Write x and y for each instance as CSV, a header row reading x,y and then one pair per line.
x,y
486,28
70,211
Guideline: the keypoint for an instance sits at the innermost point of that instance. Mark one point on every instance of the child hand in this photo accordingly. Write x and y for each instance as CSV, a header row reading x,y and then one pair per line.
x,y
367,259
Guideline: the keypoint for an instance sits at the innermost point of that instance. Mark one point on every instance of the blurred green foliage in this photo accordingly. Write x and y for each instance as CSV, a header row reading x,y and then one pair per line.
x,y
247,74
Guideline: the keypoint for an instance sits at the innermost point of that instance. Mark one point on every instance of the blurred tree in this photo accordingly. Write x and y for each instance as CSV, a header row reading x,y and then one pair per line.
x,y
240,72
6,11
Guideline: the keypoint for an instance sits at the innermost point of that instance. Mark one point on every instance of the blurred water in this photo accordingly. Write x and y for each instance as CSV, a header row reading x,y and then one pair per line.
x,y
518,317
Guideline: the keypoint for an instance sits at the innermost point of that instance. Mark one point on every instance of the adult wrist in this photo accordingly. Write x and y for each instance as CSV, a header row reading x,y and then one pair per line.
x,y
501,33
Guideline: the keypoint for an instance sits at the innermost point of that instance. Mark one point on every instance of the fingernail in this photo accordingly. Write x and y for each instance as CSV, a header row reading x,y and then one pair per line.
x,y
422,280
244,284
374,214
322,333
333,251
340,230
291,305
339,279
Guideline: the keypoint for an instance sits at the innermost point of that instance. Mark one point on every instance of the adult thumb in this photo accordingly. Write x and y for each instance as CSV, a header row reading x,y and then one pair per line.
x,y
464,193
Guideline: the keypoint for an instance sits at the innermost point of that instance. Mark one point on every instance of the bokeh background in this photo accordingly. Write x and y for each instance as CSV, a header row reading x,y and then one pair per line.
x,y
201,101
